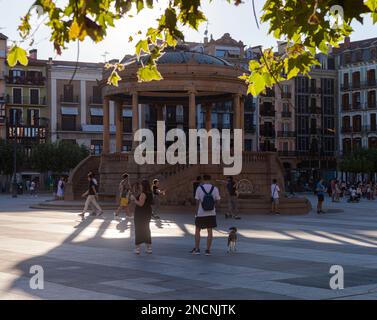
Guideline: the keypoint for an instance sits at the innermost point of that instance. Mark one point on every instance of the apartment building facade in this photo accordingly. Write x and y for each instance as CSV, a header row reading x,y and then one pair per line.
x,y
357,78
26,109
3,56
234,53
316,121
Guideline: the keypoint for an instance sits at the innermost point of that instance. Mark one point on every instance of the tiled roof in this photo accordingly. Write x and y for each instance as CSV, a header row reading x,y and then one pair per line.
x,y
353,45
3,36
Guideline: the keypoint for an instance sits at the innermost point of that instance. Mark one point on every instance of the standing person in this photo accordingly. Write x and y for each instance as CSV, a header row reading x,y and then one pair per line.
x,y
60,189
196,184
231,187
333,190
157,193
124,196
320,190
142,217
33,187
91,197
275,197
206,195
338,191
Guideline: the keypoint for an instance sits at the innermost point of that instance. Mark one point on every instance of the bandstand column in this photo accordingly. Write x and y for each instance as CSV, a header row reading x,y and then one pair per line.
x,y
118,125
208,122
106,125
236,112
242,121
192,110
135,117
159,112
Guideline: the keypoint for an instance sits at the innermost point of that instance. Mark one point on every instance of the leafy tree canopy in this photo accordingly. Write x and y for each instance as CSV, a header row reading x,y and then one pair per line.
x,y
360,161
307,26
58,157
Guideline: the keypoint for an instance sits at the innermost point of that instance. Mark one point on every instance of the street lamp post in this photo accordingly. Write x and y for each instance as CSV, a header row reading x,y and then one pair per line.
x,y
15,186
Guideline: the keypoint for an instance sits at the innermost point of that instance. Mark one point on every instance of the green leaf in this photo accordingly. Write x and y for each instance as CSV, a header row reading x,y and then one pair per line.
x,y
142,45
148,73
17,54
114,79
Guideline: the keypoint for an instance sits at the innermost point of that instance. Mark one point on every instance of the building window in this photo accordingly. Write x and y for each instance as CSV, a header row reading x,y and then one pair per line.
x,y
96,146
373,122
248,145
33,117
17,95
2,111
356,123
356,100
356,79
68,93
97,95
96,120
372,99
15,116
127,146
69,122
34,96
127,124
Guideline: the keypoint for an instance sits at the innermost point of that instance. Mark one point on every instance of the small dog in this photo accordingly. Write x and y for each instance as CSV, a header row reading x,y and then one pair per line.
x,y
232,239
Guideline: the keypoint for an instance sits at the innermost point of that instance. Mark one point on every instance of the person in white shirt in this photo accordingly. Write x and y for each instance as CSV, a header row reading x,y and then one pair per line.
x,y
275,197
206,195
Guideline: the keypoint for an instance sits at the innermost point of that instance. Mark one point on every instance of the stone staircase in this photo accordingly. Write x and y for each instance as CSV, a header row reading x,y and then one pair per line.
x,y
78,179
258,169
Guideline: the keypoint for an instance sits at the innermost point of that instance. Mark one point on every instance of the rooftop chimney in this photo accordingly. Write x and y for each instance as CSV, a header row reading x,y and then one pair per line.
x,y
33,54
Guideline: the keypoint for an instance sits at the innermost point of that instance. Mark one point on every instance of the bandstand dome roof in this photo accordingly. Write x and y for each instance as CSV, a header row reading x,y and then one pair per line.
x,y
179,57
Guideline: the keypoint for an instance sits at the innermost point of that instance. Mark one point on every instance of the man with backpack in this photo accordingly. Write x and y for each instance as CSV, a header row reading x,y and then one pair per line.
x,y
206,195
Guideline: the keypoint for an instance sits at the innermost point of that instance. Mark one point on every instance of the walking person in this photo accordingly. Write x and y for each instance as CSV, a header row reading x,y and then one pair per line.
x,y
157,193
206,195
91,197
60,189
320,191
275,197
231,187
124,196
142,217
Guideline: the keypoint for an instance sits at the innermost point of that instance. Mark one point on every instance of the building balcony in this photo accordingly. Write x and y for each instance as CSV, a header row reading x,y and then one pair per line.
x,y
269,93
95,100
346,107
69,99
38,81
287,153
345,87
315,110
286,114
250,128
356,106
27,132
370,83
26,100
267,113
267,133
286,95
346,130
315,90
286,134
371,105
370,129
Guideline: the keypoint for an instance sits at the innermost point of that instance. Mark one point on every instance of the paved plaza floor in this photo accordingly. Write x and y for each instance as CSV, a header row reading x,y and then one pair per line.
x,y
279,257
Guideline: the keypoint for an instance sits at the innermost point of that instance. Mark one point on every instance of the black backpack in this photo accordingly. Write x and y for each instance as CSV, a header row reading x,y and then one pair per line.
x,y
208,202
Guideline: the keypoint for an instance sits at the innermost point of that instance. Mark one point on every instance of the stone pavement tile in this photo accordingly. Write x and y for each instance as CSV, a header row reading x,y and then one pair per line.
x,y
53,290
221,294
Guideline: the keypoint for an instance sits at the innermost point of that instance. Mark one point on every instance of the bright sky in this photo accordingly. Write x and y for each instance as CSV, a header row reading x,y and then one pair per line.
x,y
222,16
